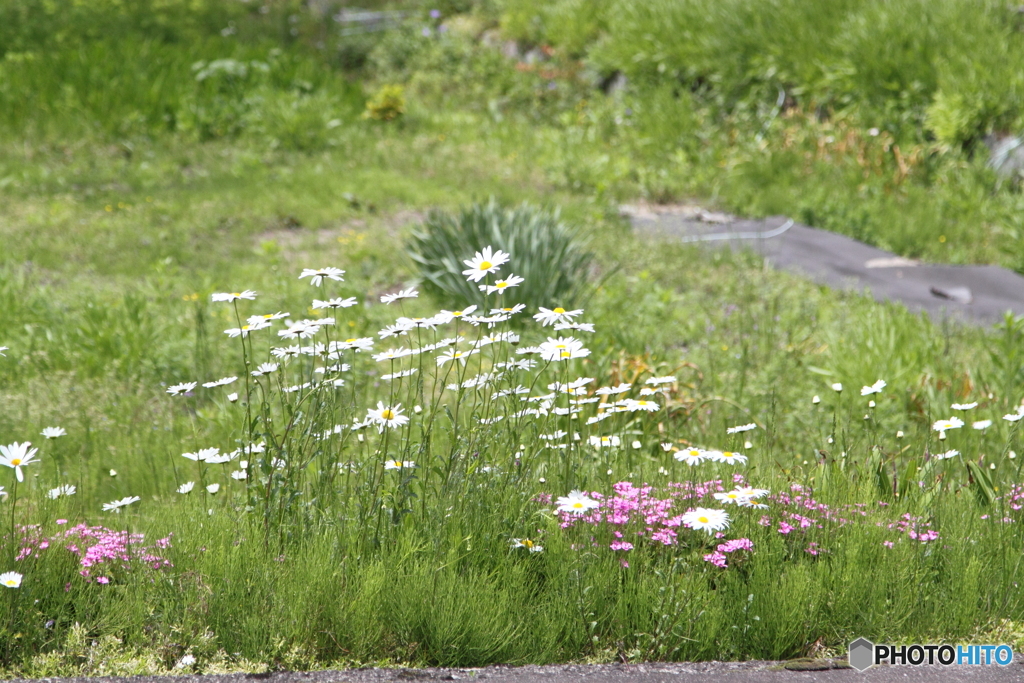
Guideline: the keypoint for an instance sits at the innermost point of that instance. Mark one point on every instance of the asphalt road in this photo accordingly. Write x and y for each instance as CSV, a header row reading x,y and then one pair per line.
x,y
719,672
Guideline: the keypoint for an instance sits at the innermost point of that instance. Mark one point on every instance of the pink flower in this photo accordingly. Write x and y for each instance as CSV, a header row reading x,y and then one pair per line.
x,y
717,559
621,545
62,521
888,544
102,579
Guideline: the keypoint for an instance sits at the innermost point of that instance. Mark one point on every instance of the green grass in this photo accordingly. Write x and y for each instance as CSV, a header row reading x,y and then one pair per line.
x,y
119,223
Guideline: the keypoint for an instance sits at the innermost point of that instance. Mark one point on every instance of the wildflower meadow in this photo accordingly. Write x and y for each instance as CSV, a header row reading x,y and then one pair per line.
x,y
325,342
473,486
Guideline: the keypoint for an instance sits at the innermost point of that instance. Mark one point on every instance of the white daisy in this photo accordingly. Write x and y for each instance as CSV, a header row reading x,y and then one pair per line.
x,y
484,262
234,296
53,432
691,456
63,490
317,276
501,285
741,428
452,354
265,369
224,381
268,316
633,405
947,455
386,416
392,354
11,579
319,305
657,381
555,315
578,327
410,293
399,464
244,330
360,344
727,457
118,504
943,426
981,424
576,503
608,391
16,456
179,389
508,310
964,406
186,487
704,519
605,441
873,389
528,544
837,387
563,348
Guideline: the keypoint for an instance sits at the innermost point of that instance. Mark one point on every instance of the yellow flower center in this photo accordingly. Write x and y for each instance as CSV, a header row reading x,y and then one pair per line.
x,y
527,543
727,455
268,316
245,327
566,354
703,520
16,462
506,309
349,341
501,285
486,265
9,582
387,414
577,505
559,310
236,294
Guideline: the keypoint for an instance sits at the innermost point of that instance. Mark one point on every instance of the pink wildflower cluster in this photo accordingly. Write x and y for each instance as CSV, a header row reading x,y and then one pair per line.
x,y
718,558
99,549
916,528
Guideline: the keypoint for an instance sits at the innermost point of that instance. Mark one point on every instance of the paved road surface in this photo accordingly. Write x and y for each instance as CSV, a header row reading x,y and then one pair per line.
x,y
979,294
704,672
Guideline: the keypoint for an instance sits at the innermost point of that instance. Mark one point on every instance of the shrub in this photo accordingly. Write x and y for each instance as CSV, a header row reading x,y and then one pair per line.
x,y
387,104
550,255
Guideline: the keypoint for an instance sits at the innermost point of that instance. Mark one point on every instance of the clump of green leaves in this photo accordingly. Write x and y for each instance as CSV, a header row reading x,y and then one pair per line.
x,y
549,254
387,104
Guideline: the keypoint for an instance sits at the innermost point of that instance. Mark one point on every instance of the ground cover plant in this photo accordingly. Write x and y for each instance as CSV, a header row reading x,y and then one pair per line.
x,y
787,468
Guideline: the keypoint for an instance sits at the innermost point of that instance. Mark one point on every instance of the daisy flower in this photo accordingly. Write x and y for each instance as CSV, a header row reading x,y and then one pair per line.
x,y
224,381
691,456
53,432
392,354
179,389
448,316
563,348
657,381
837,387
873,389
17,455
947,455
578,327
234,296
213,488
360,344
728,497
751,492
386,416
555,315
317,275
239,475
942,426
1013,417
2,349
741,428
399,464
484,262
501,285
244,330
608,391
633,405
452,354
964,406
265,369
11,579
64,490
268,316
334,303
981,424
605,441
704,519
118,504
410,293
528,544
509,310
399,375
727,456
303,329
576,503
186,487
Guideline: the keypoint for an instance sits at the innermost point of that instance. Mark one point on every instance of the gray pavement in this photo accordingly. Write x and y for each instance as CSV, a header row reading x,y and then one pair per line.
x,y
977,294
720,672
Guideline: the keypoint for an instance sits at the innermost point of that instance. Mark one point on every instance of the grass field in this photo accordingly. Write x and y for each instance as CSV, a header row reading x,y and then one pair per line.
x,y
243,146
